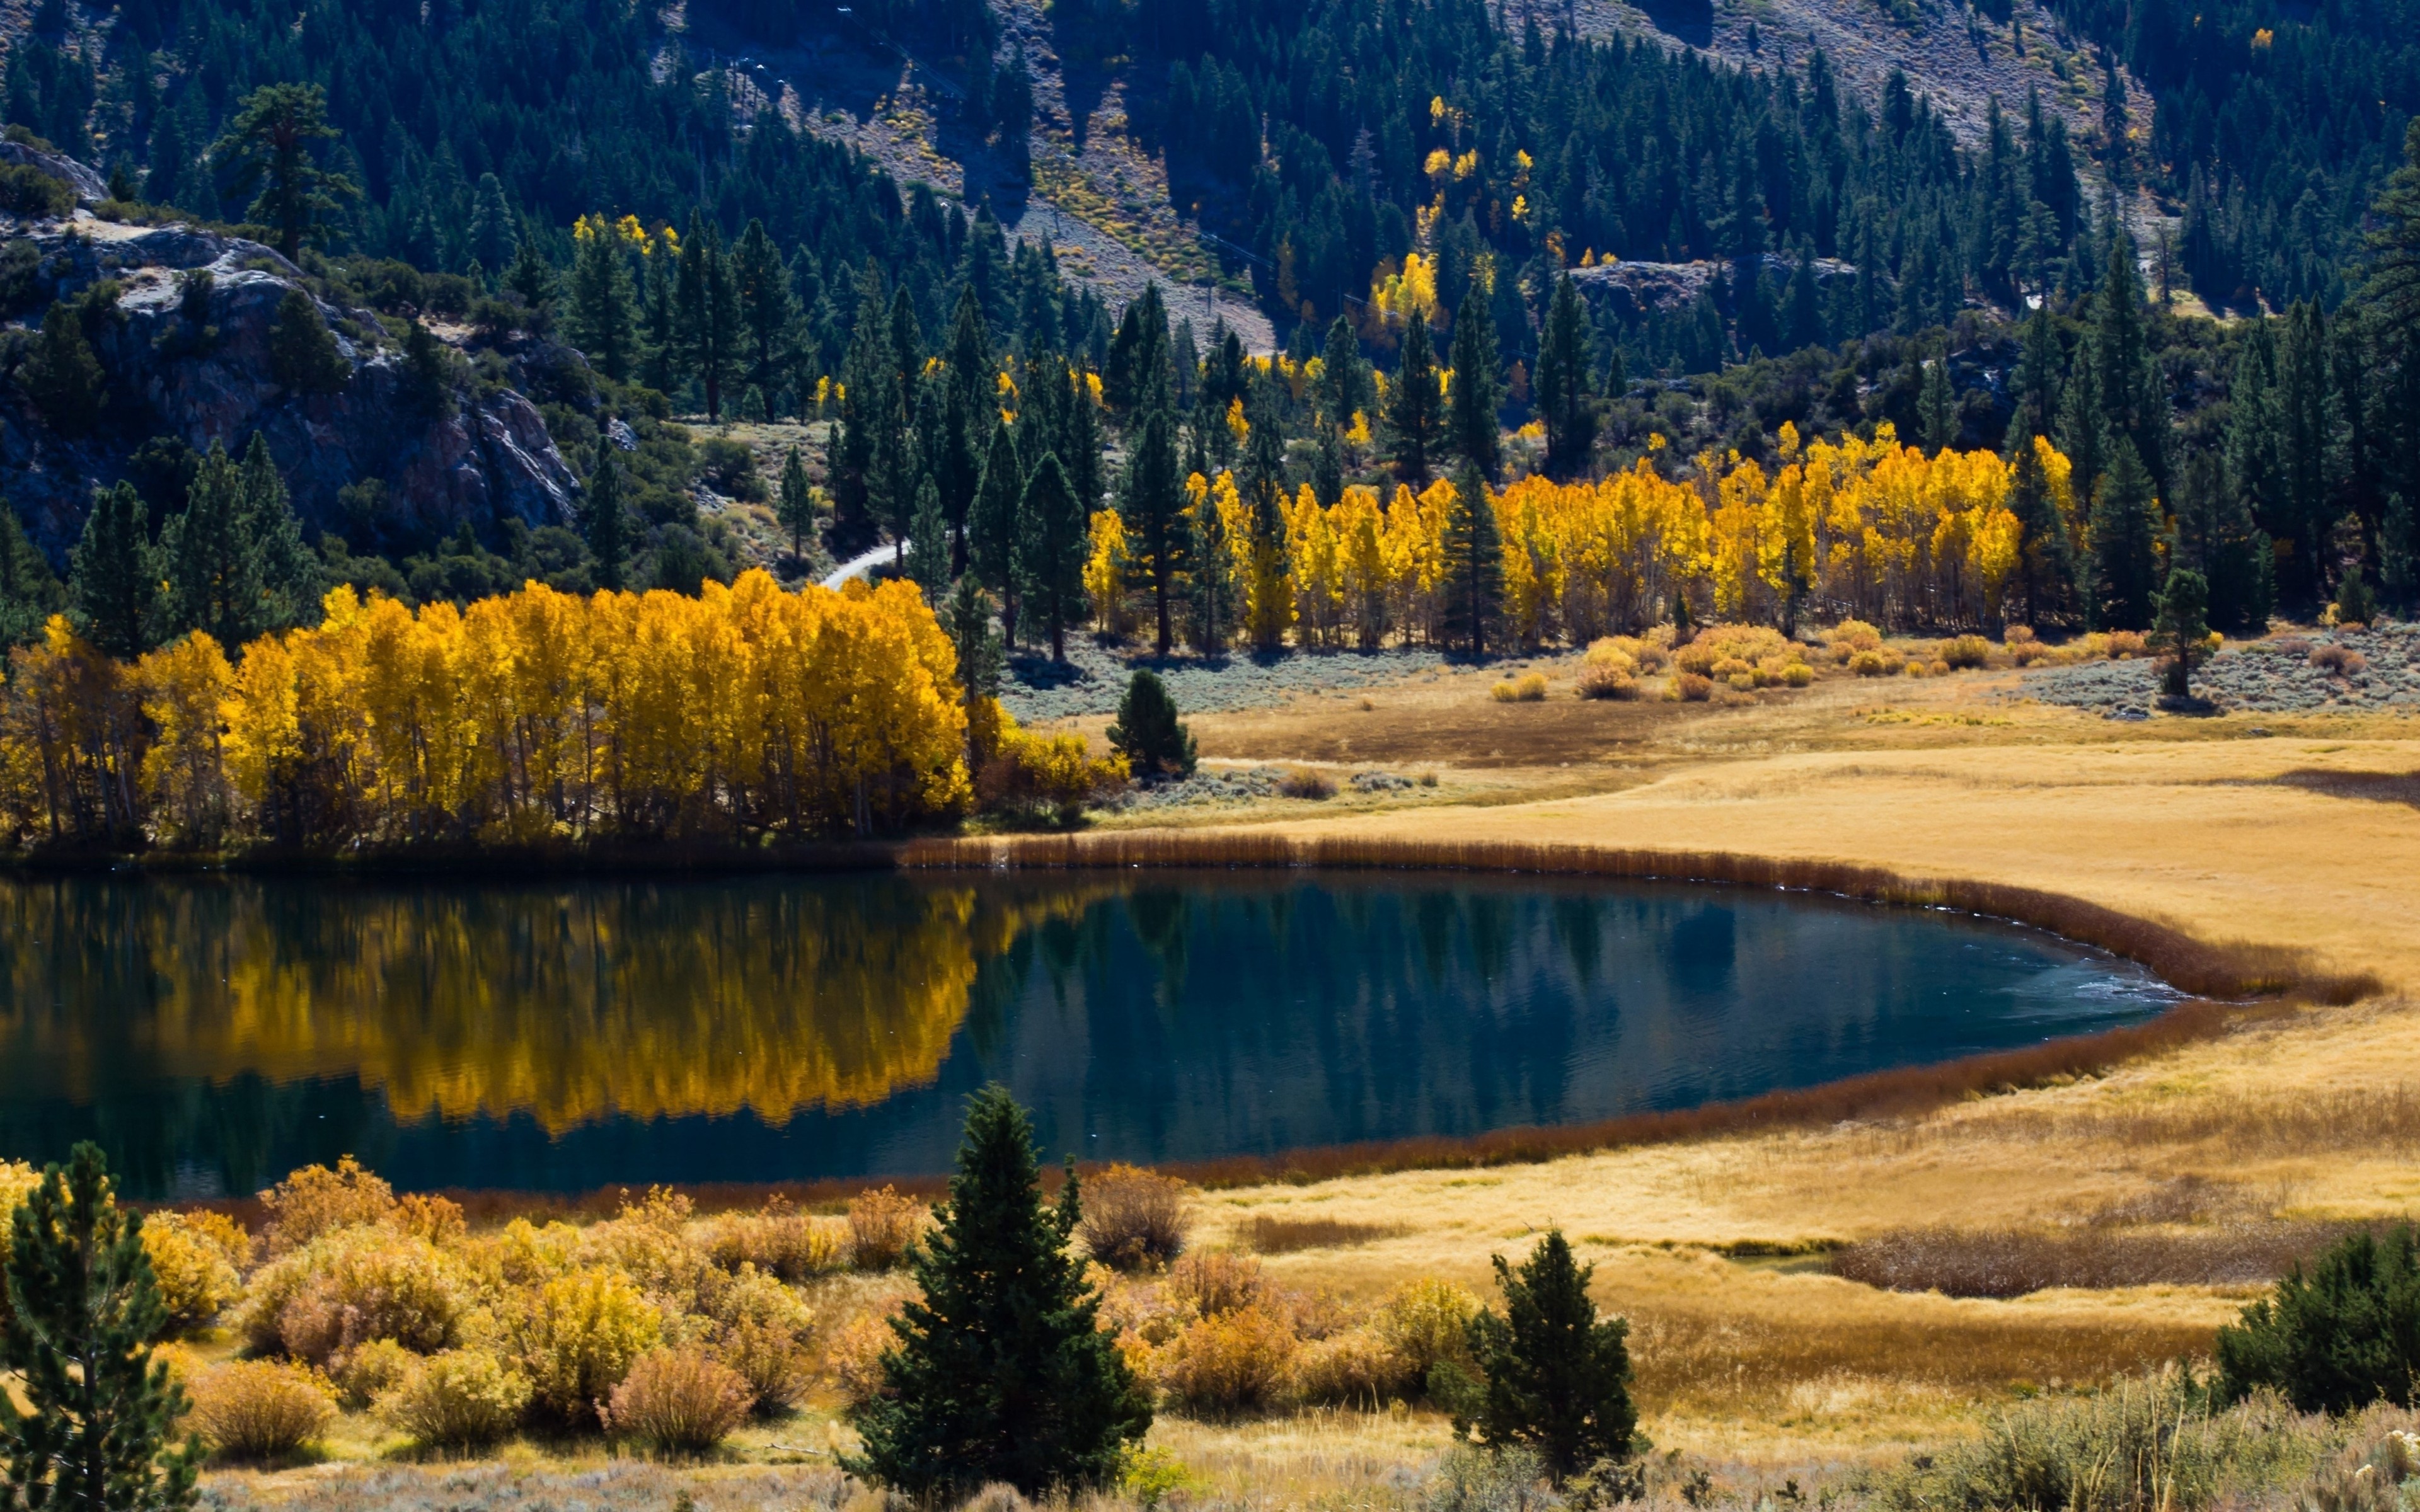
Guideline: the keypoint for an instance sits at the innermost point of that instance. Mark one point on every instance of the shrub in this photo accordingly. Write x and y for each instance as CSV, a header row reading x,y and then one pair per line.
x,y
854,1358
197,1259
770,1360
351,1285
679,1402
314,1200
1609,671
2343,661
29,191
1266,1234
882,1226
1354,1368
1530,687
1852,636
459,1399
437,1220
1867,664
1216,1281
579,1337
2125,645
1308,783
369,1372
1797,674
1133,1218
1688,687
2344,1336
792,1246
1231,1362
1967,652
261,1409
1425,1322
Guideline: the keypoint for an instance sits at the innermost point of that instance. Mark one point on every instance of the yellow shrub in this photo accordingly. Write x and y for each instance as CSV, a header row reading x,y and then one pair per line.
x,y
2125,645
1689,688
679,1402
259,1408
365,1374
1234,1362
459,1399
1354,1368
1425,1322
1966,652
1133,1218
314,1200
1216,1281
1531,687
854,1357
578,1338
882,1225
348,1286
1855,635
770,1360
437,1220
1797,674
659,1257
197,1260
792,1246
521,1254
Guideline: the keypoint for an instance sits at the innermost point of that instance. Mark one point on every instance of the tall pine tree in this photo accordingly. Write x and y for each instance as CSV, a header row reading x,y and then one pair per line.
x,y
1051,538
113,573
2125,543
1415,426
1473,549
1477,387
1562,382
609,521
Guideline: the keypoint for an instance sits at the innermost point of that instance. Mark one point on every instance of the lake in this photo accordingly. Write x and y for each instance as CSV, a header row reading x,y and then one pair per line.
x,y
215,1032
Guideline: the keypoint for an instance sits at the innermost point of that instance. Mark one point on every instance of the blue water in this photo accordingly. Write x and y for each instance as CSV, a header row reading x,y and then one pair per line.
x,y
214,1033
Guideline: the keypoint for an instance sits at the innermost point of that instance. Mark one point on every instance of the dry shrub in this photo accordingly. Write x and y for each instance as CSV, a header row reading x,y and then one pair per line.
x,y
649,1241
459,1399
997,1496
771,1360
365,1374
2010,1263
1688,687
1608,672
678,1402
1268,1235
1967,652
315,1201
2341,661
350,1286
881,1228
1425,1322
1307,782
197,1260
261,1409
521,1254
1355,1368
1530,687
2125,645
1133,1218
437,1220
1230,1362
853,1358
1851,636
18,1181
795,1246
578,1338
1216,1281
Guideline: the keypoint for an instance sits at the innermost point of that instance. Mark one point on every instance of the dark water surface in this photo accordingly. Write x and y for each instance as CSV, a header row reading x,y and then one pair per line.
x,y
214,1033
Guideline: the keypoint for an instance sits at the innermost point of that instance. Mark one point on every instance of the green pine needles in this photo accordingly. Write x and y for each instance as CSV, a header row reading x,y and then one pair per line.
x,y
83,1311
2339,1338
1001,1372
1148,733
1557,1380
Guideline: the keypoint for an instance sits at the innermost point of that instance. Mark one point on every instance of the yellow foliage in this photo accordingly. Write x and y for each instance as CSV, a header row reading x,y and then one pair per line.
x,y
1396,295
579,1336
197,1260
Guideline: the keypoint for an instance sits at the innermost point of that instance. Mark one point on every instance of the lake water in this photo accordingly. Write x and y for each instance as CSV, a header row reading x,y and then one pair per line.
x,y
214,1033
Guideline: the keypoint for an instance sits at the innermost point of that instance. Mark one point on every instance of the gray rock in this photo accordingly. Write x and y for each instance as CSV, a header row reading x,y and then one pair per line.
x,y
89,186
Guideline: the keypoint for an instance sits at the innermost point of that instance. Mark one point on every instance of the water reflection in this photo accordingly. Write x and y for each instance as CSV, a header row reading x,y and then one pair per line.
x,y
215,1032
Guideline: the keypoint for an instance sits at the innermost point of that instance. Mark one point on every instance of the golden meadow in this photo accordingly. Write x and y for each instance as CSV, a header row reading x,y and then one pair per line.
x,y
750,714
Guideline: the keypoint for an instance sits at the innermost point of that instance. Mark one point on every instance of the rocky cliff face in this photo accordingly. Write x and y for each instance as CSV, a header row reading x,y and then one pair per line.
x,y
204,377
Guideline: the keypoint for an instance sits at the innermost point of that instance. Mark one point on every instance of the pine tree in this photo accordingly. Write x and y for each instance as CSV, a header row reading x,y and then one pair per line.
x,y
867,380
28,592
1051,537
766,309
2084,431
113,577
928,543
1152,507
2125,543
1414,425
286,570
2214,534
1147,731
303,352
1000,1372
604,313
1557,1380
1264,489
1473,549
491,238
428,373
530,281
1477,387
1210,575
795,508
660,356
1344,388
2181,630
84,1309
2398,553
994,526
2039,366
2305,431
269,144
608,522
2045,554
966,400
2339,1337
61,375
966,620
710,336
214,579
1936,405
1562,382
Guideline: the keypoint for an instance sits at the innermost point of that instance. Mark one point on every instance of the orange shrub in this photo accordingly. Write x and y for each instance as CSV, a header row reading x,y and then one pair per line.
x,y
1133,1218
679,1402
1217,1281
1233,1361
314,1199
882,1225
261,1409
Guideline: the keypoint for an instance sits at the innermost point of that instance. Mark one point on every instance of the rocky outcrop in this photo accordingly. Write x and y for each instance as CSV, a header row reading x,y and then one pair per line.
x,y
1635,288
89,187
202,373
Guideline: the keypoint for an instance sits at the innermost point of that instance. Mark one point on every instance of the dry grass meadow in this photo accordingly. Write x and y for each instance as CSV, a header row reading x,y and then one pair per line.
x,y
2136,1205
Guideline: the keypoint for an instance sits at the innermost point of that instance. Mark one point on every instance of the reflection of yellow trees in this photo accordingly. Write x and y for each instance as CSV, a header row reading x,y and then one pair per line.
x,y
570,1005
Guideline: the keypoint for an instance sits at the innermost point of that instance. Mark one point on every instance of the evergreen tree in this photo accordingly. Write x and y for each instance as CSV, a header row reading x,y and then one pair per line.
x,y
2084,432
2305,429
113,576
867,378
1151,507
490,238
967,399
1344,386
1210,576
269,143
966,620
530,281
1562,382
303,352
1051,538
61,375
2045,554
1477,387
608,521
928,543
795,507
1147,731
1000,1372
2255,469
1263,490
994,524
214,578
1557,1380
2039,366
288,570
2398,553
1473,549
660,354
1415,428
712,342
28,592
1936,405
428,373
2181,630
2125,543
604,313
82,1310
1080,442
2213,534
2339,1337
766,309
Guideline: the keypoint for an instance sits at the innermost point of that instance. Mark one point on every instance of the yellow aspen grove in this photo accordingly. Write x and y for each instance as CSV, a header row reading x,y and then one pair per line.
x,y
1105,574
1314,552
743,714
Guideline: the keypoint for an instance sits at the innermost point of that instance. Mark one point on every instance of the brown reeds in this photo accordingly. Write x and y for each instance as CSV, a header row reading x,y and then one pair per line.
x,y
1266,1234
2012,1262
